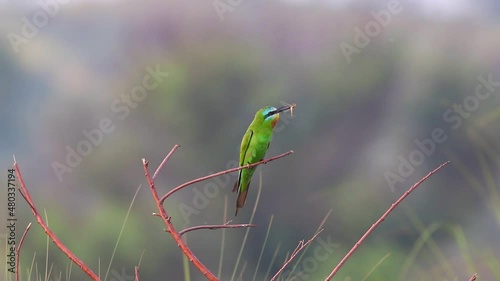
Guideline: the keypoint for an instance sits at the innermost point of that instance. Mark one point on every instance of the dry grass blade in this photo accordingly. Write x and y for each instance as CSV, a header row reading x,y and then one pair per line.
x,y
216,226
248,229
263,247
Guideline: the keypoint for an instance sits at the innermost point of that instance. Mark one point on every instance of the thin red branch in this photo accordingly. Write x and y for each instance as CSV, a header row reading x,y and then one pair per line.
x,y
170,228
136,273
297,250
52,236
381,219
18,251
473,277
216,226
265,161
165,161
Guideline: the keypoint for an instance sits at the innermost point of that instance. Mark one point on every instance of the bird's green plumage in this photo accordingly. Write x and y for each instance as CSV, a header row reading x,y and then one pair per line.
x,y
253,148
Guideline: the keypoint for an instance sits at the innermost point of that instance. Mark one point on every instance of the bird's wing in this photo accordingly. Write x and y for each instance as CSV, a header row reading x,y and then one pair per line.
x,y
245,144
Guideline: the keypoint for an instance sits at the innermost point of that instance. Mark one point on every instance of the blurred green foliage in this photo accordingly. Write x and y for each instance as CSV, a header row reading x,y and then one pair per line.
x,y
351,123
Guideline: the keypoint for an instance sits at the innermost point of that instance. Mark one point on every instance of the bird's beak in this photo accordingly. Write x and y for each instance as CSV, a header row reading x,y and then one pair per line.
x,y
284,108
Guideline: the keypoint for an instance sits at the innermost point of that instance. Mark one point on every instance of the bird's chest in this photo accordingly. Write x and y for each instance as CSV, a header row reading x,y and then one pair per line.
x,y
259,146
263,138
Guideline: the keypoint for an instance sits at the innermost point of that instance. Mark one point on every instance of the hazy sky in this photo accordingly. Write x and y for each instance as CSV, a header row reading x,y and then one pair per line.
x,y
433,8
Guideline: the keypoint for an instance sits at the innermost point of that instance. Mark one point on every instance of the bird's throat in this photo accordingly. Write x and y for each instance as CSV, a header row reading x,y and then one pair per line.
x,y
275,120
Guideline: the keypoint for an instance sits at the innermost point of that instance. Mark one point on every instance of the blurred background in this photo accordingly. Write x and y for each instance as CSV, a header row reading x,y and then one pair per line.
x,y
385,92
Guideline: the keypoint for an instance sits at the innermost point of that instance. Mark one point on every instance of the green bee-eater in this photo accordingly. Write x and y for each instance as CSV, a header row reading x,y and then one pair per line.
x,y
254,146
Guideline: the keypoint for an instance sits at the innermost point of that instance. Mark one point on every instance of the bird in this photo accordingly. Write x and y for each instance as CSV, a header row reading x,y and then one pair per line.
x,y
254,145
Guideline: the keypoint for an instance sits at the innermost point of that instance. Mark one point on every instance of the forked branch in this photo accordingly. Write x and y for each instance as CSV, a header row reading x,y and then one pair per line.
x,y
166,218
170,228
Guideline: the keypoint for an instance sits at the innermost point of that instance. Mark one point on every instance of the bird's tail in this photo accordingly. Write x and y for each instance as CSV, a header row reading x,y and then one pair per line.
x,y
240,202
242,195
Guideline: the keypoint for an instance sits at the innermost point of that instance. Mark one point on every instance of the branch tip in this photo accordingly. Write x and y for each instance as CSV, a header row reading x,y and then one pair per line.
x,y
381,219
301,245
136,269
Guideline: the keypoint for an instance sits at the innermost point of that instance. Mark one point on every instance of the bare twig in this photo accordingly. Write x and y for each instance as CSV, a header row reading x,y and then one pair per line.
x,y
24,192
473,277
216,226
165,161
265,161
305,250
18,251
299,248
136,273
170,228
380,220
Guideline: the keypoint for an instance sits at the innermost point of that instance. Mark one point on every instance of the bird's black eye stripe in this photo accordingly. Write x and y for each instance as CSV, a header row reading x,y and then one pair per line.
x,y
270,113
